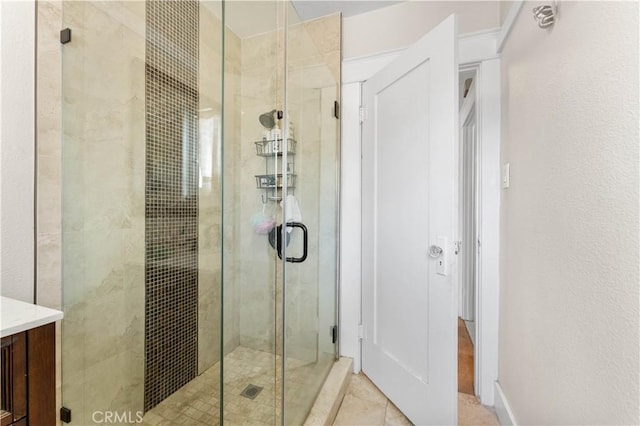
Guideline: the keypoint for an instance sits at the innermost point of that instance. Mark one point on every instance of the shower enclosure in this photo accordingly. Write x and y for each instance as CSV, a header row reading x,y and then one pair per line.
x,y
199,241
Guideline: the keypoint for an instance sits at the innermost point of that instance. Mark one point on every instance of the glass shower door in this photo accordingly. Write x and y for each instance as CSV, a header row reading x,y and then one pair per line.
x,y
280,210
252,186
310,209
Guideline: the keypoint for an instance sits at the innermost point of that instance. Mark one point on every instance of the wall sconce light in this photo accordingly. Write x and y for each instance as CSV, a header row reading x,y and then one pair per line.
x,y
545,15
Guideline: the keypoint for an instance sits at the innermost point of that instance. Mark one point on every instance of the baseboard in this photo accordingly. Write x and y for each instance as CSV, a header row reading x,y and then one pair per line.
x,y
502,407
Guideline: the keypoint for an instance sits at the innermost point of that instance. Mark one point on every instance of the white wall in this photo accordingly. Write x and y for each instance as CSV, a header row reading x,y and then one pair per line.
x,y
400,25
569,222
17,170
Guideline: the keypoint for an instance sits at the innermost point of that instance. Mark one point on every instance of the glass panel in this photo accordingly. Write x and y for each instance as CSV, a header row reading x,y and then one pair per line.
x,y
103,334
142,108
253,87
177,305
312,67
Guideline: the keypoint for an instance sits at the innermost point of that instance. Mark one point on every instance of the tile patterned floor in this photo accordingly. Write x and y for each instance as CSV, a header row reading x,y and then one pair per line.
x,y
197,403
364,404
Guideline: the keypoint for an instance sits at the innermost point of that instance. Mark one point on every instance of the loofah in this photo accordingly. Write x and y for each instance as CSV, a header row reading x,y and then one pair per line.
x,y
262,223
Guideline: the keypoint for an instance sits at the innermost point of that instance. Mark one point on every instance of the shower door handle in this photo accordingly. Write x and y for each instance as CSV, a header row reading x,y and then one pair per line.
x,y
305,242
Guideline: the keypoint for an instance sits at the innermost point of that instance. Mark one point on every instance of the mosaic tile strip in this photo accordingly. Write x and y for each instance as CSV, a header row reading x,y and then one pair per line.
x,y
171,199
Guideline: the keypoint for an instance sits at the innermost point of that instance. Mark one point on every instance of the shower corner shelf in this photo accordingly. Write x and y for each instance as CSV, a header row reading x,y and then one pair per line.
x,y
271,182
269,148
274,181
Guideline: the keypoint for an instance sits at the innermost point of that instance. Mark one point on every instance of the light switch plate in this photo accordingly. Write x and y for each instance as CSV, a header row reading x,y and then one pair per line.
x,y
506,176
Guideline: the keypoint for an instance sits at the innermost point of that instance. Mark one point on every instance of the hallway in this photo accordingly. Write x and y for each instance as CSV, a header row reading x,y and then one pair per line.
x,y
465,360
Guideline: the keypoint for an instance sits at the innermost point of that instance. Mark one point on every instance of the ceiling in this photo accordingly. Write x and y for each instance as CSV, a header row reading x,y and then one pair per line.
x,y
311,9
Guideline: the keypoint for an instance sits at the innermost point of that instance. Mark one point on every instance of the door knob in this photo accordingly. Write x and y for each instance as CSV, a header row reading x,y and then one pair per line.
x,y
435,251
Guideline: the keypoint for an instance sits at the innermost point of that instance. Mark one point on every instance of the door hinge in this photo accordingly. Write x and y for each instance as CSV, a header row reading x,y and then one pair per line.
x,y
336,109
457,245
360,331
65,36
333,330
65,415
363,113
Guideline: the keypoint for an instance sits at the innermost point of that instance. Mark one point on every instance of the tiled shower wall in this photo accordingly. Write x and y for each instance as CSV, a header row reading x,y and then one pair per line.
x,y
255,283
212,167
171,199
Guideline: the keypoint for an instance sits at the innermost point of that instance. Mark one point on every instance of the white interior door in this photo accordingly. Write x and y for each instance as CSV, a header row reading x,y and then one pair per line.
x,y
409,303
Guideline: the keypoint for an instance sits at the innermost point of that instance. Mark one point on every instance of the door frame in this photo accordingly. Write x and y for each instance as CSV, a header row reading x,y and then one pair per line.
x,y
466,110
474,50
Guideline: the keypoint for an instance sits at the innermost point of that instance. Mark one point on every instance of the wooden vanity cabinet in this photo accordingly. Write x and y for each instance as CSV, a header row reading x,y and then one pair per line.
x,y
14,378
29,377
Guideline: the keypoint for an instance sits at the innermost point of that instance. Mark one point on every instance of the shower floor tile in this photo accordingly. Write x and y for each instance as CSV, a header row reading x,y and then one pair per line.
x,y
197,403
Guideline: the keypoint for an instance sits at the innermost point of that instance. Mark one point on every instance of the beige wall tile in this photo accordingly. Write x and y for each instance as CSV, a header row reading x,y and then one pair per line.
x,y
209,202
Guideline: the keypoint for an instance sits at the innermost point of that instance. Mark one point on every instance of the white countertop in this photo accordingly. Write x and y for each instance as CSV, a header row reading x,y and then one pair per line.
x,y
17,316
